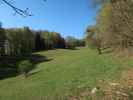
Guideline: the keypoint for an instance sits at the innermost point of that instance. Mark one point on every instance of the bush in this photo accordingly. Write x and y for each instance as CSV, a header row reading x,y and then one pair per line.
x,y
25,67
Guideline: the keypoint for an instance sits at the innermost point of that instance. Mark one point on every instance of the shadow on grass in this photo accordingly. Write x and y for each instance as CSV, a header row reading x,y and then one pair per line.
x,y
106,51
9,65
33,73
36,58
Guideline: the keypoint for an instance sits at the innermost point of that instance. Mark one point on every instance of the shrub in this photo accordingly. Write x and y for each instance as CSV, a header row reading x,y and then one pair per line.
x,y
25,67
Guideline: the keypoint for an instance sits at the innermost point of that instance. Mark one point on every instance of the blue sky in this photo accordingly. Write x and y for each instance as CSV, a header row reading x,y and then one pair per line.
x,y
68,17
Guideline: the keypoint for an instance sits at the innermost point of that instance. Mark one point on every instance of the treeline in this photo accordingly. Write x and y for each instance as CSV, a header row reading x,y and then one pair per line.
x,y
24,41
45,40
72,43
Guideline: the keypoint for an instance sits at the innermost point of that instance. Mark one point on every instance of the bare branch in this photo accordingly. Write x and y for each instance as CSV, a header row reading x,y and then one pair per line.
x,y
21,12
17,10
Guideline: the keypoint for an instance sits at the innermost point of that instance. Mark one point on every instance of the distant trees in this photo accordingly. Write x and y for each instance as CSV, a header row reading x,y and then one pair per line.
x,y
28,40
49,40
72,43
80,42
39,42
58,41
24,41
2,40
21,41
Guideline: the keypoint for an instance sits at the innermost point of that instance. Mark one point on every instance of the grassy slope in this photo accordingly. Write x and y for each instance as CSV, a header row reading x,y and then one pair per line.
x,y
68,70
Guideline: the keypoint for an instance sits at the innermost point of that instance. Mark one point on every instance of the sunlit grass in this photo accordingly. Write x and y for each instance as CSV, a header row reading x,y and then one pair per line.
x,y
66,71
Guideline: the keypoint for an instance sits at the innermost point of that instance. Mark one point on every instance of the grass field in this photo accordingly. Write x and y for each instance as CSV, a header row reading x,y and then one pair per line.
x,y
66,71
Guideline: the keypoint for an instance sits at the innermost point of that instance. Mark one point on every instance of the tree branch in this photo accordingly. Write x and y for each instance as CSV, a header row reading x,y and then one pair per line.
x,y
19,11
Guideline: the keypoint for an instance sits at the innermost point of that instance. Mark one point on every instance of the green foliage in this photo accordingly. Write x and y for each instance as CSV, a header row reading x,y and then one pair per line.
x,y
71,42
25,67
2,33
52,40
21,41
24,41
90,37
2,40
0,24
49,40
28,41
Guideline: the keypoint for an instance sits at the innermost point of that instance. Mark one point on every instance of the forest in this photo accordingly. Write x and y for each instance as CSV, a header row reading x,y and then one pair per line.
x,y
32,41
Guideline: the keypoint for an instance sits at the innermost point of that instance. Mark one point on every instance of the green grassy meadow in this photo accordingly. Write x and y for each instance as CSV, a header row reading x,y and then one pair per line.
x,y
66,71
